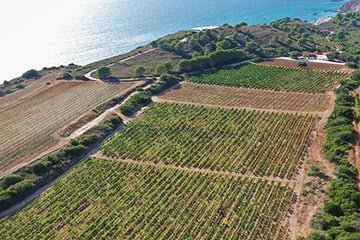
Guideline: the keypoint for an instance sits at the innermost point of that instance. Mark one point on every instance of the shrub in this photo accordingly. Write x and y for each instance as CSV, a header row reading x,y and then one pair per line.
x,y
115,121
6,199
135,103
74,150
2,93
88,139
314,170
66,76
139,71
104,72
166,81
31,74
22,189
352,65
19,86
302,64
10,180
295,54
163,68
217,58
40,167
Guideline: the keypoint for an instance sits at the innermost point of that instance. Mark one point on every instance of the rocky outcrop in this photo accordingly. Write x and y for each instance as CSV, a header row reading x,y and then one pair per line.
x,y
351,6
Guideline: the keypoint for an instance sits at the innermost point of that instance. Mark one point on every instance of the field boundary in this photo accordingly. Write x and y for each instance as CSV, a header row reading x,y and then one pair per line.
x,y
199,170
157,99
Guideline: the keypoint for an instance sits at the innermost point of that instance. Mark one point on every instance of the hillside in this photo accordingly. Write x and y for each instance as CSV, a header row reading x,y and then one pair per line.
x,y
218,133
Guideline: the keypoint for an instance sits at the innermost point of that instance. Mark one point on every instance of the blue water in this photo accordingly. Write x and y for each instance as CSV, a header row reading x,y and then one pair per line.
x,y
41,33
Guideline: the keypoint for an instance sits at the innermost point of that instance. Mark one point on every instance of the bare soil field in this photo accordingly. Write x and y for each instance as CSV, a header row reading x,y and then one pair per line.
x,y
233,97
30,121
311,65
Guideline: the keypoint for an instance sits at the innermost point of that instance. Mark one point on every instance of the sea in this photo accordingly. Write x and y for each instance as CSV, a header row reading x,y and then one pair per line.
x,y
40,33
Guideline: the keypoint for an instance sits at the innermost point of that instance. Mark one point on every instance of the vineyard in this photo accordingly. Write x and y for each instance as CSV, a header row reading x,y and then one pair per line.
x,y
103,199
274,78
29,125
241,141
246,98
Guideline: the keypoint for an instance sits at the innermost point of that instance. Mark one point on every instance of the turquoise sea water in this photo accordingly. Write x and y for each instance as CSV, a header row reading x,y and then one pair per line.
x,y
40,33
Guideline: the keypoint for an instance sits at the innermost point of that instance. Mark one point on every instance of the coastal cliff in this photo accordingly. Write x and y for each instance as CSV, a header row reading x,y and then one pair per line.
x,y
351,6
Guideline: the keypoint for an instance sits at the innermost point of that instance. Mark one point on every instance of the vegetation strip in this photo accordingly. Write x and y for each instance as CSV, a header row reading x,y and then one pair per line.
x,y
341,214
143,98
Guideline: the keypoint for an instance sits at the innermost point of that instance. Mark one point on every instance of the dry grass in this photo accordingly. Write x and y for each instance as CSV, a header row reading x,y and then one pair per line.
x,y
149,60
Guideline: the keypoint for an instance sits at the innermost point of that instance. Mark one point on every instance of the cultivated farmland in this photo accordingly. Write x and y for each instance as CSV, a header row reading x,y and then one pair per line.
x,y
274,78
241,141
29,125
246,98
103,199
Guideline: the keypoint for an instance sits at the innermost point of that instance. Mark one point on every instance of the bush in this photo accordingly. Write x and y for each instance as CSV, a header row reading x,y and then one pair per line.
x,y
135,103
104,72
352,65
66,76
88,139
163,68
22,189
10,180
6,199
295,54
116,121
2,93
74,150
314,170
139,71
302,64
166,81
31,74
40,167
214,59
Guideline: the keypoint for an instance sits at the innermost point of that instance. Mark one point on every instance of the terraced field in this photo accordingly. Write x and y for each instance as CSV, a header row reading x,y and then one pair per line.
x,y
241,141
274,78
29,125
232,97
103,199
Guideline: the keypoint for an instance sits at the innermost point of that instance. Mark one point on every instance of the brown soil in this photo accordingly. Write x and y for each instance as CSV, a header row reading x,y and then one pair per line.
x,y
205,94
311,65
30,119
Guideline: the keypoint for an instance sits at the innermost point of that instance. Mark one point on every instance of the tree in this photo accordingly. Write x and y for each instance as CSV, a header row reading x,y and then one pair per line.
x,y
163,68
204,39
2,93
302,64
193,43
295,54
104,72
179,47
223,45
31,74
139,71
